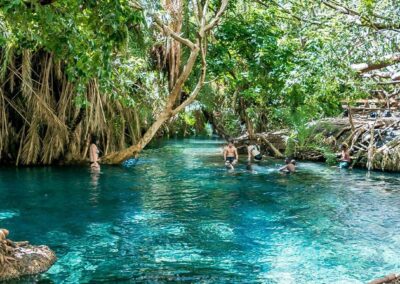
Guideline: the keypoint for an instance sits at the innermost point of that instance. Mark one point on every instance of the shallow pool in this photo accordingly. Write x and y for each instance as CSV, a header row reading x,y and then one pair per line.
x,y
179,215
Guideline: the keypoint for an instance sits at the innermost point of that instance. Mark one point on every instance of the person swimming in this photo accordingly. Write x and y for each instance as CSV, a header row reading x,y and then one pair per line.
x,y
344,162
231,156
253,152
290,166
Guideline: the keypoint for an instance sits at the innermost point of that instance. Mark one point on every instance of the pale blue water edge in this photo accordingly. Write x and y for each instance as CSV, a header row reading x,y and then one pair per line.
x,y
178,215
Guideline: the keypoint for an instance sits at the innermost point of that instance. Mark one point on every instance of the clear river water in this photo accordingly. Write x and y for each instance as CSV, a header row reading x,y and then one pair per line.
x,y
178,215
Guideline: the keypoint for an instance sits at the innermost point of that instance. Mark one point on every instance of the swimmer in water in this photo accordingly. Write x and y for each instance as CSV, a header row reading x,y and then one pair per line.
x,y
231,156
344,162
253,152
290,166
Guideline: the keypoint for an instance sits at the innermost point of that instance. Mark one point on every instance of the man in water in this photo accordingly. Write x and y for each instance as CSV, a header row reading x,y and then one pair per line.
x,y
231,156
253,152
290,166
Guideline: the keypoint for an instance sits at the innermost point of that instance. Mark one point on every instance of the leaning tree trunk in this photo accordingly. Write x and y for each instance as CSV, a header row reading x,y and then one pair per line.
x,y
120,156
174,104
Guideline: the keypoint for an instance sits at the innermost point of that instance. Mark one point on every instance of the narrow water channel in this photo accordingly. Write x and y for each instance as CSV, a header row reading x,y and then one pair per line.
x,y
179,215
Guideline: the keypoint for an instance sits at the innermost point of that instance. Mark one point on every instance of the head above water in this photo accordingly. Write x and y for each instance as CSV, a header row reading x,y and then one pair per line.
x,y
287,160
94,139
344,146
230,143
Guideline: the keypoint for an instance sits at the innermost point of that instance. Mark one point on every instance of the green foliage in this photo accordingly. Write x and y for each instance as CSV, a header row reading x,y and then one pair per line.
x,y
330,156
278,65
288,62
86,36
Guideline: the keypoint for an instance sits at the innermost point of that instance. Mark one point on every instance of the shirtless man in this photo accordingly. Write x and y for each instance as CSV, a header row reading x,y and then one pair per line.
x,y
290,166
231,156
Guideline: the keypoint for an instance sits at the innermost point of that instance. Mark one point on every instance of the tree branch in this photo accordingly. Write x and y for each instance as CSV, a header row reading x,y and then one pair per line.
x,y
200,82
168,32
217,17
379,64
183,77
365,21
287,11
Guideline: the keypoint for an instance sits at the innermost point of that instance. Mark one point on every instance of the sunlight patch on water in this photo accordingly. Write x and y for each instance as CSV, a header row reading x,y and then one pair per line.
x,y
8,214
177,253
147,215
220,230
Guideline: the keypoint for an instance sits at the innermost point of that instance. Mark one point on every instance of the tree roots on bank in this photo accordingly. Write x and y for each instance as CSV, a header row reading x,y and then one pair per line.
x,y
45,119
374,143
20,258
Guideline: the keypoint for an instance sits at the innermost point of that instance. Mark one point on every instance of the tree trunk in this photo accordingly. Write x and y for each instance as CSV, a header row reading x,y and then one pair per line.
x,y
351,118
120,156
199,46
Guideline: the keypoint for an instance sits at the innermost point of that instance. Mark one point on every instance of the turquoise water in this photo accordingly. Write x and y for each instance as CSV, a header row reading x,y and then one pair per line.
x,y
179,215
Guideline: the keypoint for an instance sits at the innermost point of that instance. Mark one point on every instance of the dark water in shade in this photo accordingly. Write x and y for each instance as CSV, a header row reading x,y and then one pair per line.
x,y
178,215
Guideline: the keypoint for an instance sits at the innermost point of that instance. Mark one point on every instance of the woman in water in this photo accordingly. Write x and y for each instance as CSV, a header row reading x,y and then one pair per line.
x,y
344,162
94,153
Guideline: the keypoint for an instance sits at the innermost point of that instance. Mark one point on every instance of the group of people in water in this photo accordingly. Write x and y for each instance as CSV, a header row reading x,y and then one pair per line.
x,y
231,157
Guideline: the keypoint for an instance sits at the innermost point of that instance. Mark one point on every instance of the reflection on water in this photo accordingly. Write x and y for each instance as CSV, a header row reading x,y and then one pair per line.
x,y
178,215
94,182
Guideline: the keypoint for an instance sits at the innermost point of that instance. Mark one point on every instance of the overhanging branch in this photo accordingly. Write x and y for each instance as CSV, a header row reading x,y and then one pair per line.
x,y
364,20
168,32
379,64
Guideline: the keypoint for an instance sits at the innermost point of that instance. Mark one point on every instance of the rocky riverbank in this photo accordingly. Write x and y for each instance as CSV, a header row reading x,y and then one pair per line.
x,y
19,259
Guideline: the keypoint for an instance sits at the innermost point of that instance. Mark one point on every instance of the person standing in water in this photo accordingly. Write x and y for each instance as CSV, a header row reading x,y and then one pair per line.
x,y
253,152
344,162
94,153
231,156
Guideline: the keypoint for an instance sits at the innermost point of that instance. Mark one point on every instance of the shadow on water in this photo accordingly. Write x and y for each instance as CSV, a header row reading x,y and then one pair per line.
x,y
179,215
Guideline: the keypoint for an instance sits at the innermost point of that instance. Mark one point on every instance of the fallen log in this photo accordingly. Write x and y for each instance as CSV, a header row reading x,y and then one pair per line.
x,y
274,141
277,153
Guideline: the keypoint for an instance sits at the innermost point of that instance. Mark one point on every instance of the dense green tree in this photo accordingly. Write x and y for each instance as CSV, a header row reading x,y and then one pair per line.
x,y
128,70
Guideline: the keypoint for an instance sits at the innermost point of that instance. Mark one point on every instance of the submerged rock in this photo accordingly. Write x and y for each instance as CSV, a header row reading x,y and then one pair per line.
x,y
21,259
390,279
